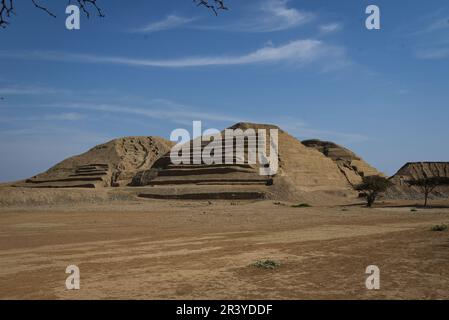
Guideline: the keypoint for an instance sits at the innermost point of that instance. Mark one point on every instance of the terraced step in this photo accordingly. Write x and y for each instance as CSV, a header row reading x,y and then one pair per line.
x,y
202,171
194,166
158,182
206,196
167,160
89,174
198,192
94,166
55,185
81,179
234,183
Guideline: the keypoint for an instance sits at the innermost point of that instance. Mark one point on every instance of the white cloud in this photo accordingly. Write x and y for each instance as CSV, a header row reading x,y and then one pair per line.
x,y
330,28
170,22
277,16
296,52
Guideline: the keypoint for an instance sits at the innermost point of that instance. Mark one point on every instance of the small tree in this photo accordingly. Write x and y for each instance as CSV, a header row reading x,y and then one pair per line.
x,y
428,185
372,186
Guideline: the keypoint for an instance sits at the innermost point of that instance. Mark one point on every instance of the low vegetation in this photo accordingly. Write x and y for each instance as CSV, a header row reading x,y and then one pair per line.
x,y
301,205
439,227
266,264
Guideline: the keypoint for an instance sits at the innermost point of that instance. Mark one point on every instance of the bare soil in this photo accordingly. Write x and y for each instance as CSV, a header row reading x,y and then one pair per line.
x,y
153,249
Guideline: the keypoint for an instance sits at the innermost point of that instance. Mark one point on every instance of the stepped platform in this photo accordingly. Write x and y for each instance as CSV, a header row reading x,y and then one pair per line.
x,y
195,181
85,176
198,192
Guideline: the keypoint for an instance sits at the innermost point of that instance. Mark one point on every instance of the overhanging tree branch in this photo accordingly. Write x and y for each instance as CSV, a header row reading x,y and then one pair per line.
x,y
7,8
43,8
215,6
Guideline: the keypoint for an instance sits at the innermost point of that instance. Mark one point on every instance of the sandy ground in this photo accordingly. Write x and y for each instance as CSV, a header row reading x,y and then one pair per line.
x,y
195,250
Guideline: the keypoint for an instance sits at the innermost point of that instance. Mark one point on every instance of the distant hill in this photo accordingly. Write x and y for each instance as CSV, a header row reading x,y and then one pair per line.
x,y
418,170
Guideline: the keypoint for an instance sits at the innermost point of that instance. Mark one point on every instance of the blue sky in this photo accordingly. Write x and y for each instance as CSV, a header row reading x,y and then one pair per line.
x,y
309,66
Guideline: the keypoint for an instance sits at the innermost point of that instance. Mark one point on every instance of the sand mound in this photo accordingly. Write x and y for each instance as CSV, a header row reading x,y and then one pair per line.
x,y
418,170
110,164
350,165
312,171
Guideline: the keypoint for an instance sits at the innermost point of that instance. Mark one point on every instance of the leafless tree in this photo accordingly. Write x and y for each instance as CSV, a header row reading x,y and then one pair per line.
x,y
7,8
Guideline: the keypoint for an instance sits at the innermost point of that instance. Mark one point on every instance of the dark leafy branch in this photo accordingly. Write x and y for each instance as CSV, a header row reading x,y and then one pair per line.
x,y
7,8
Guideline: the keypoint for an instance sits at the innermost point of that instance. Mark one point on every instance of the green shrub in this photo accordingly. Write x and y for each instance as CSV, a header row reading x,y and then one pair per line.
x,y
413,210
266,264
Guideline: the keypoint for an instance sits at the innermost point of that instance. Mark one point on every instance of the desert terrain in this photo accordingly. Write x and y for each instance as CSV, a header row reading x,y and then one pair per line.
x,y
139,226
134,248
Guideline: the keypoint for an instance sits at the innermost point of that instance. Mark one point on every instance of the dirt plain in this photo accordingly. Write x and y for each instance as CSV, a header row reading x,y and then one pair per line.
x,y
156,249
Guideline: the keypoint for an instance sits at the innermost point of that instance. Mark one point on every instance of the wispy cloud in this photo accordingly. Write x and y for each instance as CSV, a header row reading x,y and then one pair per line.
x,y
170,22
296,52
433,53
430,34
30,90
439,24
277,16
267,16
303,131
69,116
434,23
159,109
330,28
162,109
